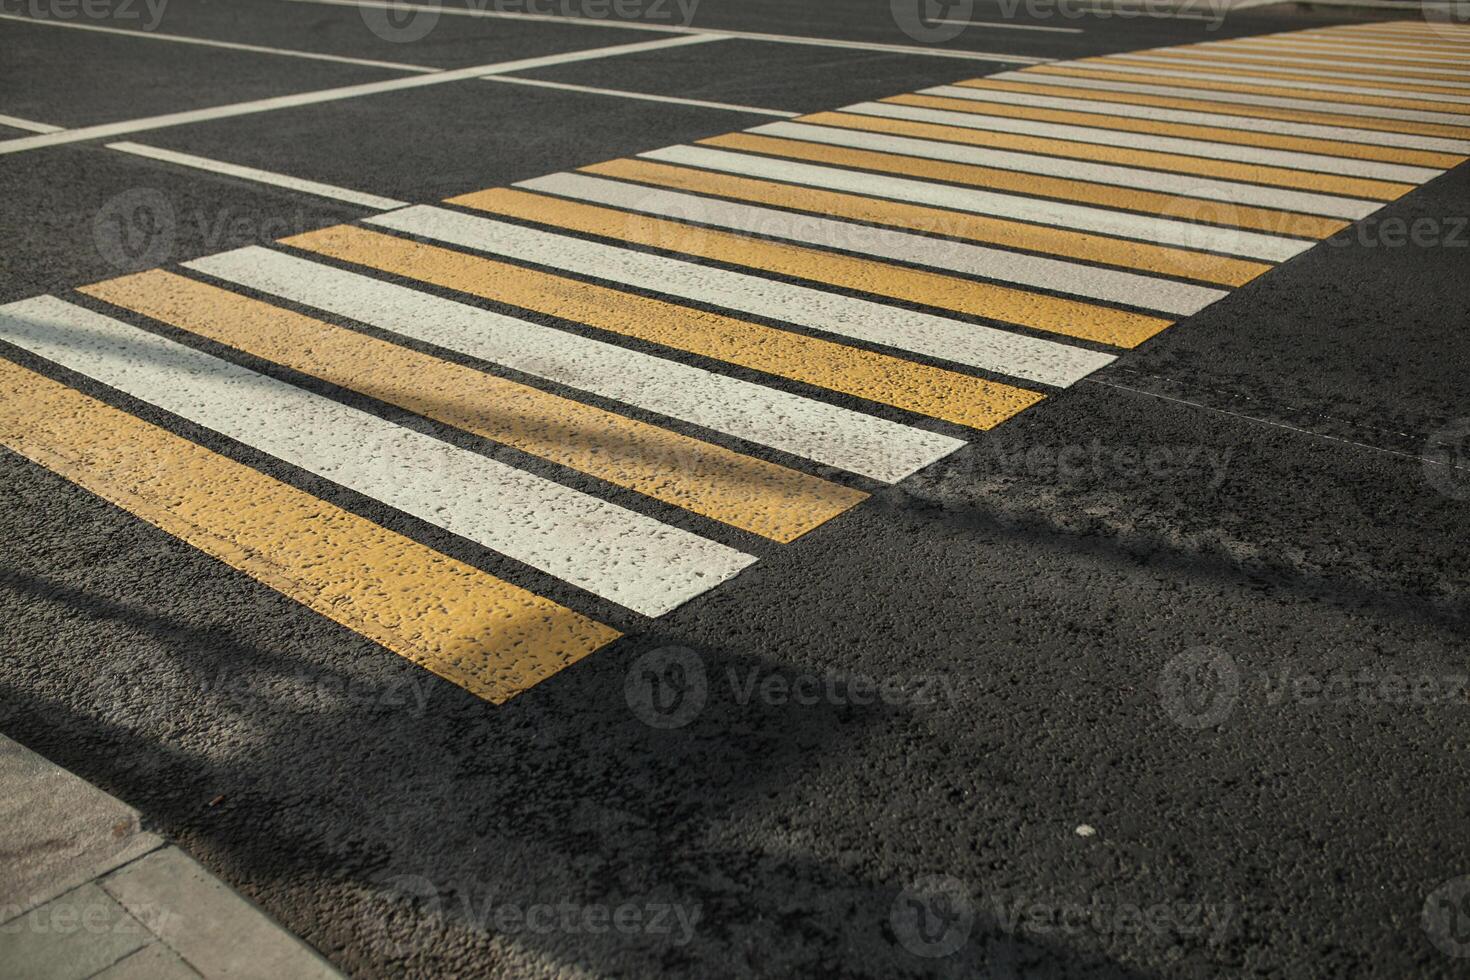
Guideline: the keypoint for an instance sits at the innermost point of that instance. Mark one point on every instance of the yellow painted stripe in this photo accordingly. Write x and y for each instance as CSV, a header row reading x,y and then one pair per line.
x,y
490,637
1105,195
1378,190
1256,70
1009,304
1298,51
1227,108
1160,259
1214,134
1388,43
1432,42
770,500
930,391
1327,98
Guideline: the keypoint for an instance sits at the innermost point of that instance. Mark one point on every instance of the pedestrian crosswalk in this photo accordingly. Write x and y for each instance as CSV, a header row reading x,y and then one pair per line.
x,y
755,329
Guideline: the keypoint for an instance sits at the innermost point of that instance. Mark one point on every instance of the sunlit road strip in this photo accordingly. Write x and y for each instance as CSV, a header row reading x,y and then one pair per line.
x,y
108,130
490,637
766,416
627,558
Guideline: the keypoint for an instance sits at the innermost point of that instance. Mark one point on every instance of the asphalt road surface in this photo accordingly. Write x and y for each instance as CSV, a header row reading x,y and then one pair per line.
x,y
956,540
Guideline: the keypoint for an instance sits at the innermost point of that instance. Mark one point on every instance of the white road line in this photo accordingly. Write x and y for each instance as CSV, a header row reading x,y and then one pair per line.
x,y
1282,64
1078,217
1439,144
814,430
108,130
1167,59
635,25
1319,163
1110,285
965,343
1371,57
612,552
620,93
230,45
15,122
261,176
1183,185
1185,117
1008,27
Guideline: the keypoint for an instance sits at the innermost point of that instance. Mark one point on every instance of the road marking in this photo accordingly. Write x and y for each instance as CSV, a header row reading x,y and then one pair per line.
x,y
1206,61
261,176
952,224
1297,84
1113,103
1160,185
1126,156
1069,317
1371,47
1386,81
108,130
1028,358
770,500
634,25
1344,54
933,392
1243,88
1390,40
806,428
474,630
1008,27
624,557
1167,144
1124,288
1313,148
15,122
228,45
1372,128
1038,210
644,96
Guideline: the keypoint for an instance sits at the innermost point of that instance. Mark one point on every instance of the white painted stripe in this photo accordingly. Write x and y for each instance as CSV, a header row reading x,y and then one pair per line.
x,y
261,176
1265,62
1319,163
1351,54
616,23
1373,45
610,551
210,42
643,96
109,130
801,426
15,122
1163,57
1405,140
1166,183
1111,285
1008,27
1185,117
1075,216
964,343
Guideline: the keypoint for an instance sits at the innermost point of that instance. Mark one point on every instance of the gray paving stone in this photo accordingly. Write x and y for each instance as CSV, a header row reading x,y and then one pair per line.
x,y
155,962
57,831
69,938
216,931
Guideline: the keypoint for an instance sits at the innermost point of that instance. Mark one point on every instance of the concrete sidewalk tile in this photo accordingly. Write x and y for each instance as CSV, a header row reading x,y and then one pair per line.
x,y
69,938
57,831
216,931
156,962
